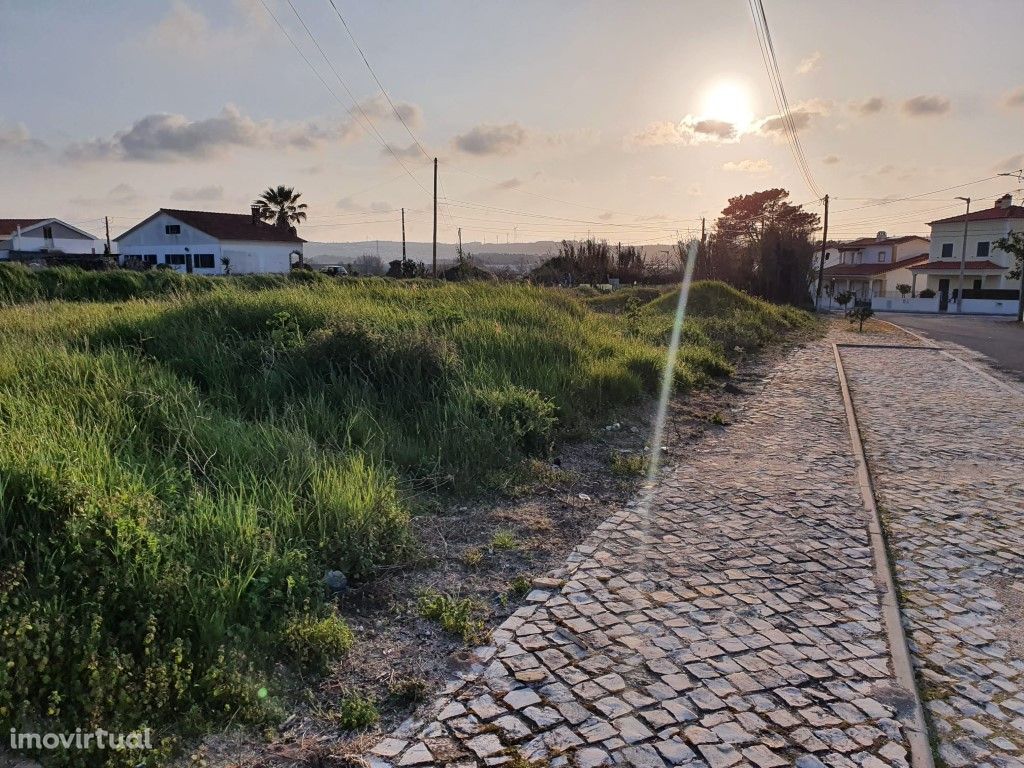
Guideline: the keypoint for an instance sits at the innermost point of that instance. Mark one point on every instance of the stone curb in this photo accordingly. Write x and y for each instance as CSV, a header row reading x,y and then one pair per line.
x,y
917,729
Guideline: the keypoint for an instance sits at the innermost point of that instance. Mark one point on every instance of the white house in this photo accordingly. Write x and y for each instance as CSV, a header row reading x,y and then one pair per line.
x,y
872,267
986,267
211,243
27,238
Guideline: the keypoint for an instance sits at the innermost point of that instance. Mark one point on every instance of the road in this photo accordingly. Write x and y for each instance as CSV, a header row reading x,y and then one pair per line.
x,y
1000,339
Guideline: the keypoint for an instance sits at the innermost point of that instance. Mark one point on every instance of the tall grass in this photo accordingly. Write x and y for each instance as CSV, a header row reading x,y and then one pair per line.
x,y
177,473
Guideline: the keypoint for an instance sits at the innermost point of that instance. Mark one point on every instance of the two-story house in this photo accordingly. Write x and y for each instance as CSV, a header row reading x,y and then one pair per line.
x,y
872,267
30,239
986,267
210,243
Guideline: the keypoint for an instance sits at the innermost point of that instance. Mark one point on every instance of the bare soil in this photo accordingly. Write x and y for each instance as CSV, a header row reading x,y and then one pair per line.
x,y
401,659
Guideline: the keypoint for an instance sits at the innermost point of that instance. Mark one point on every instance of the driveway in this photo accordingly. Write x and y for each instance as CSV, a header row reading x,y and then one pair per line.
x,y
1000,339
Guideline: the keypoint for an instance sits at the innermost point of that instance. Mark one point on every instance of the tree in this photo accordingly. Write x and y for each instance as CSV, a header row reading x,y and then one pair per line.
x,y
843,298
904,289
860,314
406,268
280,205
1014,243
762,245
368,264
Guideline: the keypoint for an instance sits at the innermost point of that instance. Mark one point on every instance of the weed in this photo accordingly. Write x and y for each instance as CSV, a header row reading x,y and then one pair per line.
x,y
473,557
717,418
459,616
408,691
356,712
318,641
504,540
628,465
519,587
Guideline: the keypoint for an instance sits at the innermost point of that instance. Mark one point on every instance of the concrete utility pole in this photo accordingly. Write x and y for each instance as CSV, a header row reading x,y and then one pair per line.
x,y
435,217
821,262
963,258
106,221
703,250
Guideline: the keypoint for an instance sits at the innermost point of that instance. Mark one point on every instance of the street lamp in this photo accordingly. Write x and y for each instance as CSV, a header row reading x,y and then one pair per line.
x,y
963,258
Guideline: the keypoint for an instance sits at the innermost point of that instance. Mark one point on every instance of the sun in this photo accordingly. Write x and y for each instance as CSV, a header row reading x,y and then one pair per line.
x,y
728,100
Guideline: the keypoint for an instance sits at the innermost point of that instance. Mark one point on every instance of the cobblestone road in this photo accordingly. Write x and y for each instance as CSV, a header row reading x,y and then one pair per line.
x,y
946,451
736,623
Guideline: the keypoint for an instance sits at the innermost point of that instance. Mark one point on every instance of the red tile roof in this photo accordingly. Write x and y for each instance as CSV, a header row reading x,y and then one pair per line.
x,y
10,226
986,214
948,266
226,226
867,242
864,270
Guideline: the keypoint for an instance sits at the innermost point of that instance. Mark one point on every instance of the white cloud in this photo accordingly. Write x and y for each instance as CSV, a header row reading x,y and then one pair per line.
x,y
748,166
165,137
831,159
199,194
186,29
121,194
688,131
378,108
606,216
695,190
801,116
410,152
490,139
17,139
379,206
870,106
809,64
1014,98
926,106
1011,163
512,183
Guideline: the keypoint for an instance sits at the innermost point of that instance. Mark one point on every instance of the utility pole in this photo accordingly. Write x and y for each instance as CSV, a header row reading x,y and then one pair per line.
x,y
403,241
106,221
963,258
821,262
435,217
460,245
706,273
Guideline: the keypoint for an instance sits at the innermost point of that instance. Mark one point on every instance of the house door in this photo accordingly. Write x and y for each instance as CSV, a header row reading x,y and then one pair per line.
x,y
943,294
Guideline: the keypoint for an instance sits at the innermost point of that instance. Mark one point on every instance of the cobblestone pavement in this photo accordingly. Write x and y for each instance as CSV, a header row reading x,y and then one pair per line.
x,y
946,451
735,623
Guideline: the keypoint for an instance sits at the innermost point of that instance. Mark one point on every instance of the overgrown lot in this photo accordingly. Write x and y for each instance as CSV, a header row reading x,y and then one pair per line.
x,y
178,472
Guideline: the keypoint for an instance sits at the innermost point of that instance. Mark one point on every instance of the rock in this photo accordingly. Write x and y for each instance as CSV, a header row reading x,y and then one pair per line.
x,y
336,582
583,497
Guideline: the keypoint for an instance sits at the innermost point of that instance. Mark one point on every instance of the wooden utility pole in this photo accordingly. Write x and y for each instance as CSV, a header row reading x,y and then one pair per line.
x,y
403,239
460,244
705,273
821,262
435,217
106,221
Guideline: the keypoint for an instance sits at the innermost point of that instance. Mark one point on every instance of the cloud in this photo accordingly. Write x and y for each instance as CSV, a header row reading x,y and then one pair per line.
x,y
410,152
1011,163
801,117
199,194
695,190
606,216
869,106
688,131
121,194
512,183
379,206
809,64
1014,98
490,139
166,137
186,29
16,139
748,166
660,178
830,159
926,106
378,108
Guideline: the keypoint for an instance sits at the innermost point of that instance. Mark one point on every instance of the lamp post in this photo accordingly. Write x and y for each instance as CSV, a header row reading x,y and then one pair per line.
x,y
963,258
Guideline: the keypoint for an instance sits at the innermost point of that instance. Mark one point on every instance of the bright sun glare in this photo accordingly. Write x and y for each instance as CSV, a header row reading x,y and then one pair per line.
x,y
728,100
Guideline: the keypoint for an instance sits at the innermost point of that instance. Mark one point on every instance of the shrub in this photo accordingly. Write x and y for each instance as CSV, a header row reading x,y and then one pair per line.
x,y
504,540
628,465
356,712
459,616
926,293
318,641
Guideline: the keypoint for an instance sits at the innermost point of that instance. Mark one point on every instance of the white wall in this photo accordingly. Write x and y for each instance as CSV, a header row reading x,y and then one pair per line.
x,y
977,231
987,307
64,239
248,258
887,304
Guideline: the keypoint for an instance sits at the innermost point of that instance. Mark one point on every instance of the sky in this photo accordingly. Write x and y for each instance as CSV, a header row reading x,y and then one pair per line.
x,y
623,120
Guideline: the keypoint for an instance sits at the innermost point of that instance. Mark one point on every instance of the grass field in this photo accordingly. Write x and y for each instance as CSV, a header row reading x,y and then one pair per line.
x,y
180,465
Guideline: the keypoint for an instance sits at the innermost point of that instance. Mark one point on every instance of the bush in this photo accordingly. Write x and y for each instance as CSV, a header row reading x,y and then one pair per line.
x,y
459,616
927,293
318,641
356,712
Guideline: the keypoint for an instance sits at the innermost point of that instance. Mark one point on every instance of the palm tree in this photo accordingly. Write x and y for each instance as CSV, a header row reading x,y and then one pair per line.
x,y
281,206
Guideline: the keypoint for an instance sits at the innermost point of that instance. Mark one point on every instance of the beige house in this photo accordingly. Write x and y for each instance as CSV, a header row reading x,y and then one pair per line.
x,y
872,267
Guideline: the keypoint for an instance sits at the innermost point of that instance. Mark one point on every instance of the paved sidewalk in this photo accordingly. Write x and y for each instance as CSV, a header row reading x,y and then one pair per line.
x,y
735,624
946,451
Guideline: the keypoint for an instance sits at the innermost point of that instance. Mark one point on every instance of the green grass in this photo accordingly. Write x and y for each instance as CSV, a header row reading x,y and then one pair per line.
x,y
462,616
178,470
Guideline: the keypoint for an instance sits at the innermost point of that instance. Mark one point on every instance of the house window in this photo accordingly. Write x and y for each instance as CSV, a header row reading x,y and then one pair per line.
x,y
882,257
977,283
203,260
982,250
175,259
172,229
947,250
48,233
149,258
